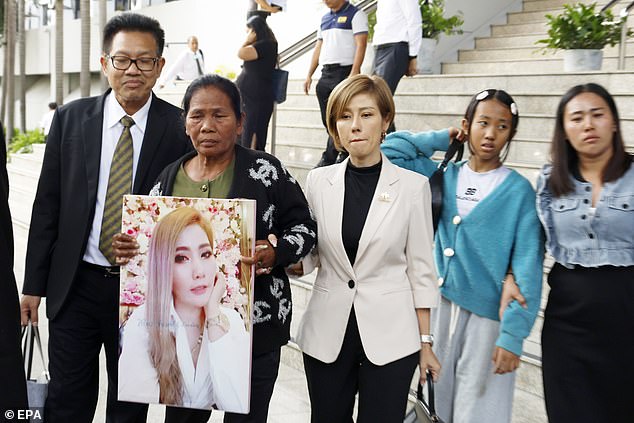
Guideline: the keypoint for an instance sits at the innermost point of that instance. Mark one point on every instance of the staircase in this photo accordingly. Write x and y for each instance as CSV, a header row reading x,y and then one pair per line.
x,y
507,59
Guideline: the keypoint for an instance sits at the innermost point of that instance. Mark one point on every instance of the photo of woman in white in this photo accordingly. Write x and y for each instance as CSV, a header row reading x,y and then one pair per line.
x,y
182,347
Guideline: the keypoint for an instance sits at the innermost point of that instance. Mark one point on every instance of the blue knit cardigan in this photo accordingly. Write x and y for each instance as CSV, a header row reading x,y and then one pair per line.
x,y
474,253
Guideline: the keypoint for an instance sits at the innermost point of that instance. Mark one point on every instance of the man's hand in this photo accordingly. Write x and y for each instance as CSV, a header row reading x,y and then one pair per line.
x,y
124,248
28,309
307,83
411,69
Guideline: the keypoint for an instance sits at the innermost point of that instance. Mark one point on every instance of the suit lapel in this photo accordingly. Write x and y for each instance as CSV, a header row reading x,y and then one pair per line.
x,y
332,203
92,134
154,132
382,201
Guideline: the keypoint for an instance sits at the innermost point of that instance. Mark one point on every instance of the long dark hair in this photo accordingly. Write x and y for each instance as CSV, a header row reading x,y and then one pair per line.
x,y
504,98
261,29
564,157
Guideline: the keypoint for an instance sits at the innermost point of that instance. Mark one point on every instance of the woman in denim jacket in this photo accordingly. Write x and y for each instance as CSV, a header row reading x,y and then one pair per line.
x,y
585,201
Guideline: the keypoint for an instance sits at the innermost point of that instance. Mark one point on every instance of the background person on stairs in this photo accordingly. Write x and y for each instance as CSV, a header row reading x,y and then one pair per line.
x,y
259,53
342,38
397,39
189,65
488,240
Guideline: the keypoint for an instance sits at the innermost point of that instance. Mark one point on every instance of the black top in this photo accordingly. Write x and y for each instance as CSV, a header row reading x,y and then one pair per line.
x,y
282,210
360,184
256,75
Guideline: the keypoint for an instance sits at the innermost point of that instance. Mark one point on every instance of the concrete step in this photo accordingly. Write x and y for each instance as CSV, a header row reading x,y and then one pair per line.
x,y
31,162
531,17
528,53
617,82
21,205
526,40
525,28
539,5
535,65
23,179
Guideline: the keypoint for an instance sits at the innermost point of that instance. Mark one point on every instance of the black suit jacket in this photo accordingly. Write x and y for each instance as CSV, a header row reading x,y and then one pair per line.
x,y
13,387
64,205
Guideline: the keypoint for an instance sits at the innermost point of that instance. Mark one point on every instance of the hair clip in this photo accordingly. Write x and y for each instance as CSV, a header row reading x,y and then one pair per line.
x,y
484,94
514,109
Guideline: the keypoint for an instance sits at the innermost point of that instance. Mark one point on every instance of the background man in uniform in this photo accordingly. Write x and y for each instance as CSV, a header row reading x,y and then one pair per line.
x,y
342,38
98,149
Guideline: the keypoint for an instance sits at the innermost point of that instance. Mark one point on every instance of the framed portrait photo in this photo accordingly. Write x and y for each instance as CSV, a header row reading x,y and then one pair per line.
x,y
185,329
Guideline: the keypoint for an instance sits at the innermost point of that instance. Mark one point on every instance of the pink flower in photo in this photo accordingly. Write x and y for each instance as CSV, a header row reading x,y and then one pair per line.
x,y
131,231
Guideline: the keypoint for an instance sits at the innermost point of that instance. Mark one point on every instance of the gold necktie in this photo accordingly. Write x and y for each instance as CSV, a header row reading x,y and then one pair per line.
x,y
119,184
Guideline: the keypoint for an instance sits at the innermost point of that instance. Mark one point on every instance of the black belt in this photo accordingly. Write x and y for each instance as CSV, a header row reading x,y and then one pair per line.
x,y
387,45
335,66
105,271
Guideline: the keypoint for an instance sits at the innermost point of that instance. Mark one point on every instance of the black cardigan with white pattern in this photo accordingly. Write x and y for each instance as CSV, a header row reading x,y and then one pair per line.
x,y
282,210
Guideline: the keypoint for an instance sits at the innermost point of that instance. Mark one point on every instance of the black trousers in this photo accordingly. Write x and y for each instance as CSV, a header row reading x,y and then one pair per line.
x,y
588,345
331,75
390,63
88,320
382,390
263,376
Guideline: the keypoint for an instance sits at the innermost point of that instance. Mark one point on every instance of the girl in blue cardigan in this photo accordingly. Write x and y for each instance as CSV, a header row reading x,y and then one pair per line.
x,y
488,237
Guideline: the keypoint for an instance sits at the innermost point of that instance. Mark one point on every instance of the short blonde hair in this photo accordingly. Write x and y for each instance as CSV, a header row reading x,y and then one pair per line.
x,y
342,94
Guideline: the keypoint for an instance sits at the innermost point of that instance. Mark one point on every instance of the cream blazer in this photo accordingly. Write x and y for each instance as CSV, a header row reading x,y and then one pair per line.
x,y
393,273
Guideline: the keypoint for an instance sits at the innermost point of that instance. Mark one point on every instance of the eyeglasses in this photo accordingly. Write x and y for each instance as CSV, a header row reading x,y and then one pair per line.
x,y
124,62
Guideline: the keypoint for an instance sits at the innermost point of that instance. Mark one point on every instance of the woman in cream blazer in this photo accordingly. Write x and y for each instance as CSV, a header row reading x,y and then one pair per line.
x,y
369,312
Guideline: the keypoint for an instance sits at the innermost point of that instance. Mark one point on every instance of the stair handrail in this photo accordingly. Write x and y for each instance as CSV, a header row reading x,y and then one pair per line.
x,y
299,48
623,44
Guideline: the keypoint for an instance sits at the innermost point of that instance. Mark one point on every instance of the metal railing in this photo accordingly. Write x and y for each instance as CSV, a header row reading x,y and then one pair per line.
x,y
623,44
301,47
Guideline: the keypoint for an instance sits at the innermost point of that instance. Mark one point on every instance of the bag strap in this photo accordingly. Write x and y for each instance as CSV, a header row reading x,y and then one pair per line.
x,y
456,148
32,334
430,394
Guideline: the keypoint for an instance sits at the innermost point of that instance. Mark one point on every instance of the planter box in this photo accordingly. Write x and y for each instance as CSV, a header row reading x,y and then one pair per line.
x,y
580,60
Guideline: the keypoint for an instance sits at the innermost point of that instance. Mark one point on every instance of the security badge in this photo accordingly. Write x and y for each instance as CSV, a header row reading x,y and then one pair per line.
x,y
342,19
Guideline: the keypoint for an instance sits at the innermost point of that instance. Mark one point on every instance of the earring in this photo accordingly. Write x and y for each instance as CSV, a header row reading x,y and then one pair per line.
x,y
383,134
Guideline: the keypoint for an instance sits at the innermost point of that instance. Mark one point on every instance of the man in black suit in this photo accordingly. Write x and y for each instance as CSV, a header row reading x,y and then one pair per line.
x,y
13,386
95,144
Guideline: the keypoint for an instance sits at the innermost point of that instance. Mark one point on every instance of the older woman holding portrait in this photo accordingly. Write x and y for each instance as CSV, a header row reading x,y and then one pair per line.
x,y
366,327
221,169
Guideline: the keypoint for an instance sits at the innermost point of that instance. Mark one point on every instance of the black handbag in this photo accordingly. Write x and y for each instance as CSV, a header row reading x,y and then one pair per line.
x,y
436,182
426,411
37,390
280,82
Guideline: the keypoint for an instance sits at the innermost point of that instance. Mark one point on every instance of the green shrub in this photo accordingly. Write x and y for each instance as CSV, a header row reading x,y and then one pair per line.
x,y
580,26
22,142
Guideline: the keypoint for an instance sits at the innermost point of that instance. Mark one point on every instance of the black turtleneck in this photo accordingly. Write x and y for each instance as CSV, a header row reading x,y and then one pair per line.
x,y
360,184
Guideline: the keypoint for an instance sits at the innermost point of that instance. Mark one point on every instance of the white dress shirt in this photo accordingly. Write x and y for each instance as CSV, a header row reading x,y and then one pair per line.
x,y
110,133
396,21
221,376
185,67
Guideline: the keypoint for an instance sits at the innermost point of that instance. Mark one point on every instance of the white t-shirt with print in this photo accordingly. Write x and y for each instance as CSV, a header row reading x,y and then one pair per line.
x,y
473,187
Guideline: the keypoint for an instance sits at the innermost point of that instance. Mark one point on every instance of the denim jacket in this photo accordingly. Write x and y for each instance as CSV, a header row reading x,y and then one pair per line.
x,y
574,236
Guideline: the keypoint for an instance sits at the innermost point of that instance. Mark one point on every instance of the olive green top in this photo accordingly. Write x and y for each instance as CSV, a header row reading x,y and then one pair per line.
x,y
218,187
